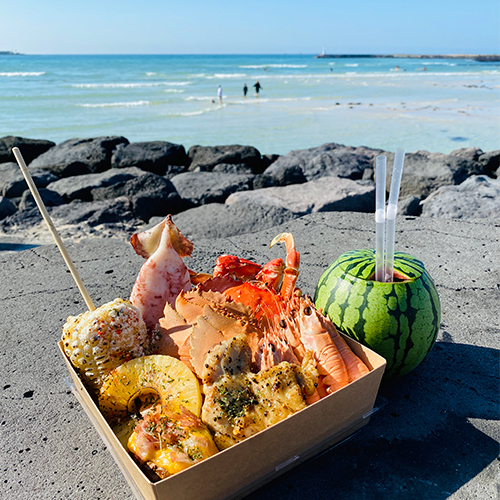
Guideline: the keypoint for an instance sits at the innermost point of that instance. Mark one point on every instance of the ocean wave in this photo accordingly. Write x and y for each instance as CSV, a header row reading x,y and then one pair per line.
x,y
382,74
127,85
226,75
194,113
259,66
354,65
22,73
198,98
176,91
440,63
115,104
270,99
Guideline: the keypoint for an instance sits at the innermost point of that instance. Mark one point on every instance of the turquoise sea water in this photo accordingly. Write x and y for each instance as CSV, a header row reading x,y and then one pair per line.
x,y
304,102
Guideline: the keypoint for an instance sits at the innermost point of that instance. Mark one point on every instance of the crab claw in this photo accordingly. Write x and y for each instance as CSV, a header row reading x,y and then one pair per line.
x,y
292,264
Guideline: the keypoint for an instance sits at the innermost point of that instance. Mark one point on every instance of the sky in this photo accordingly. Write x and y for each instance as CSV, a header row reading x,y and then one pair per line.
x,y
250,27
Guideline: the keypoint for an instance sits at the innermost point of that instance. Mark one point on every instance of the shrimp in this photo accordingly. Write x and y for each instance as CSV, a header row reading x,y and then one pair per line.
x,y
355,367
314,335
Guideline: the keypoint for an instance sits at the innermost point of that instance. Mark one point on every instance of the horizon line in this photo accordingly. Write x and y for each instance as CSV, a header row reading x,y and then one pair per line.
x,y
7,52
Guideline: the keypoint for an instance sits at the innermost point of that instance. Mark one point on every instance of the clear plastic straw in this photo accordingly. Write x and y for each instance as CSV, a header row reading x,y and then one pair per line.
x,y
392,210
380,217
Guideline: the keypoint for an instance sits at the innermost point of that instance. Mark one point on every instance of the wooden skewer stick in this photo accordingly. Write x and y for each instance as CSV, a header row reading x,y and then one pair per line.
x,y
53,230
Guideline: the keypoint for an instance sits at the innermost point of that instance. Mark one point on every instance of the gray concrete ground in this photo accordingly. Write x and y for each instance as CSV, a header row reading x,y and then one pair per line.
x,y
437,437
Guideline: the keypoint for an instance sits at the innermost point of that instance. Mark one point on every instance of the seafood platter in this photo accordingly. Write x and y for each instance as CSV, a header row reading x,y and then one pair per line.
x,y
206,386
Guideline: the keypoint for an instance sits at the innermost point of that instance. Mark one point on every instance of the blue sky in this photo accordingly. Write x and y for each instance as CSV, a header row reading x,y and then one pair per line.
x,y
250,27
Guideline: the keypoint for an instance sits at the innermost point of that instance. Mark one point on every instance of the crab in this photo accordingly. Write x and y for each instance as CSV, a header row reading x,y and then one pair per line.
x,y
261,302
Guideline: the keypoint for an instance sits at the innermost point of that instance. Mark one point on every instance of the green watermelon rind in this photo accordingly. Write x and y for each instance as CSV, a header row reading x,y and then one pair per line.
x,y
356,305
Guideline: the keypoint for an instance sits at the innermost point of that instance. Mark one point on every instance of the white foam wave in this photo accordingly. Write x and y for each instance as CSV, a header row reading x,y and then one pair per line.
x,y
127,85
22,73
115,104
175,84
174,91
383,74
270,99
440,63
354,65
227,75
198,98
259,66
194,113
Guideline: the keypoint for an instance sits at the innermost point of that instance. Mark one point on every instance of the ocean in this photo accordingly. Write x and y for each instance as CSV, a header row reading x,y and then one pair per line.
x,y
436,105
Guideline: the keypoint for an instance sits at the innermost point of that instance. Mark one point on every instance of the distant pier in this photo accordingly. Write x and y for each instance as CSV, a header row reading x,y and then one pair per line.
x,y
475,57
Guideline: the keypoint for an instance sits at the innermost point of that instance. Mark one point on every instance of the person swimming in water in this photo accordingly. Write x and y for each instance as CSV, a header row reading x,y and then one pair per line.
x,y
257,86
245,90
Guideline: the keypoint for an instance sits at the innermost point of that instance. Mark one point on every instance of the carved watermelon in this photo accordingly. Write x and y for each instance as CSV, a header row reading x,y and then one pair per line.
x,y
399,320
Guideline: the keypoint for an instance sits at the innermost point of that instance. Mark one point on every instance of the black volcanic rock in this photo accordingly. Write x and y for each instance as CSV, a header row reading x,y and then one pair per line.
x,y
22,219
232,168
94,212
158,157
330,177
79,156
284,175
6,207
490,162
478,197
217,220
153,195
327,160
30,148
81,186
425,172
200,188
108,192
268,160
207,157
470,153
49,198
321,195
13,184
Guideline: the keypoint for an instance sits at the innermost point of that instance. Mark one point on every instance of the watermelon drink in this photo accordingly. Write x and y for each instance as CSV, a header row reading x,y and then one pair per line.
x,y
399,320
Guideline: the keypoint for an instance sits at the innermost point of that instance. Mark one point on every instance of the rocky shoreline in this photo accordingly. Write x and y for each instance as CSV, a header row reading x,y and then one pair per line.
x,y
107,187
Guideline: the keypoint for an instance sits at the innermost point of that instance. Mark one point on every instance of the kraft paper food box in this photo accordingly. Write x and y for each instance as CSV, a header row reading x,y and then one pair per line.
x,y
236,471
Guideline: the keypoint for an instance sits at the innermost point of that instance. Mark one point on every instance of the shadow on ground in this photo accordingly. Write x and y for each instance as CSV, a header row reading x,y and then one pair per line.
x,y
421,445
15,247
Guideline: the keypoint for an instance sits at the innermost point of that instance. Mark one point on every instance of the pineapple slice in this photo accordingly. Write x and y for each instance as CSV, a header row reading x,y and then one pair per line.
x,y
163,376
100,340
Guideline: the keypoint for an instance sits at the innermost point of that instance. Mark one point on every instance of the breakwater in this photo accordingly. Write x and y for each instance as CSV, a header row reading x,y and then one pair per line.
x,y
474,57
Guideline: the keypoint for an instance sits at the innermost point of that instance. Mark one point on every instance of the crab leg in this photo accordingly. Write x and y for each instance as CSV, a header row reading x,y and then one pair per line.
x,y
271,274
291,272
